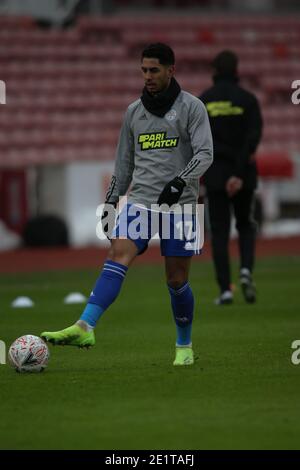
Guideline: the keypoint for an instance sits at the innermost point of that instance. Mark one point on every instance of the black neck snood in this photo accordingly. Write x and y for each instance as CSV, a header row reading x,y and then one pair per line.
x,y
161,103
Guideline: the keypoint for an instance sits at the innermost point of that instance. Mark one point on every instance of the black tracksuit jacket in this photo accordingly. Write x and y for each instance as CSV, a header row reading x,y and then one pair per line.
x,y
236,126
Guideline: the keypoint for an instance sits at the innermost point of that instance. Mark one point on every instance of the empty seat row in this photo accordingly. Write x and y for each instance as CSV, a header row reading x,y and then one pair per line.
x,y
235,22
37,119
61,101
47,138
85,52
54,154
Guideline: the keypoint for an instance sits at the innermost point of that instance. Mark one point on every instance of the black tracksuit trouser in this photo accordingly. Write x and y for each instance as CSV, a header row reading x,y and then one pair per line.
x,y
220,208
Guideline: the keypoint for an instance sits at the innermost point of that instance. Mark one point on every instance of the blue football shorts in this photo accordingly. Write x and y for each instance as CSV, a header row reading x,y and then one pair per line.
x,y
179,233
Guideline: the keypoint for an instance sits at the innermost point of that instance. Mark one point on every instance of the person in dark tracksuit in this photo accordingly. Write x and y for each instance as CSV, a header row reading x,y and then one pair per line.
x,y
236,125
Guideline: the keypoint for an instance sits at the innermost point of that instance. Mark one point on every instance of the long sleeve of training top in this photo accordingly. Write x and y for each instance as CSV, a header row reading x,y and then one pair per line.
x,y
201,142
153,150
124,164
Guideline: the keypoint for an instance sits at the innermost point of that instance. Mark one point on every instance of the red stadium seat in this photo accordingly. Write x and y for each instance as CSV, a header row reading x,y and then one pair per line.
x,y
275,165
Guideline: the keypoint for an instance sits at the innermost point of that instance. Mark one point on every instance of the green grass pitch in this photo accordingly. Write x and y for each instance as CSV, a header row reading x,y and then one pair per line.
x,y
242,392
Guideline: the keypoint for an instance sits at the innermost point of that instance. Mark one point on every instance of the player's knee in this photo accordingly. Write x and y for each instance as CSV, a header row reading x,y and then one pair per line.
x,y
118,256
176,281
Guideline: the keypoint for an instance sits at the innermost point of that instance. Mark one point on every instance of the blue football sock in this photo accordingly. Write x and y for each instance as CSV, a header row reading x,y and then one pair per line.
x,y
182,301
105,291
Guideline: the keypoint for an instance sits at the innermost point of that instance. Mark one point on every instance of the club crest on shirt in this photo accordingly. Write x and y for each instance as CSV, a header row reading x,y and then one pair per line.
x,y
171,115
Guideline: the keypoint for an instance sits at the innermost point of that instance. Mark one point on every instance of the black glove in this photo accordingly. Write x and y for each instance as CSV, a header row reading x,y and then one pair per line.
x,y
172,191
108,218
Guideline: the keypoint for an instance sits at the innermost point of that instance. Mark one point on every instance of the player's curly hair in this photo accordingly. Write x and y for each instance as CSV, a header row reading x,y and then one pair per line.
x,y
160,51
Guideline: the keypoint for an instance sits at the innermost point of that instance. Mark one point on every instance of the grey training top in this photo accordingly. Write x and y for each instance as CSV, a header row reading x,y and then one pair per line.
x,y
154,150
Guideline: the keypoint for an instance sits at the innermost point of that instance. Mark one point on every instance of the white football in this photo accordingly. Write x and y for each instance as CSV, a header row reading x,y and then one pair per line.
x,y
28,353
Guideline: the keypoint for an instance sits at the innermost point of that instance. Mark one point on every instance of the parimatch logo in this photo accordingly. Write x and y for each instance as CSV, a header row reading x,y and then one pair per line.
x,y
2,92
223,108
2,352
157,140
